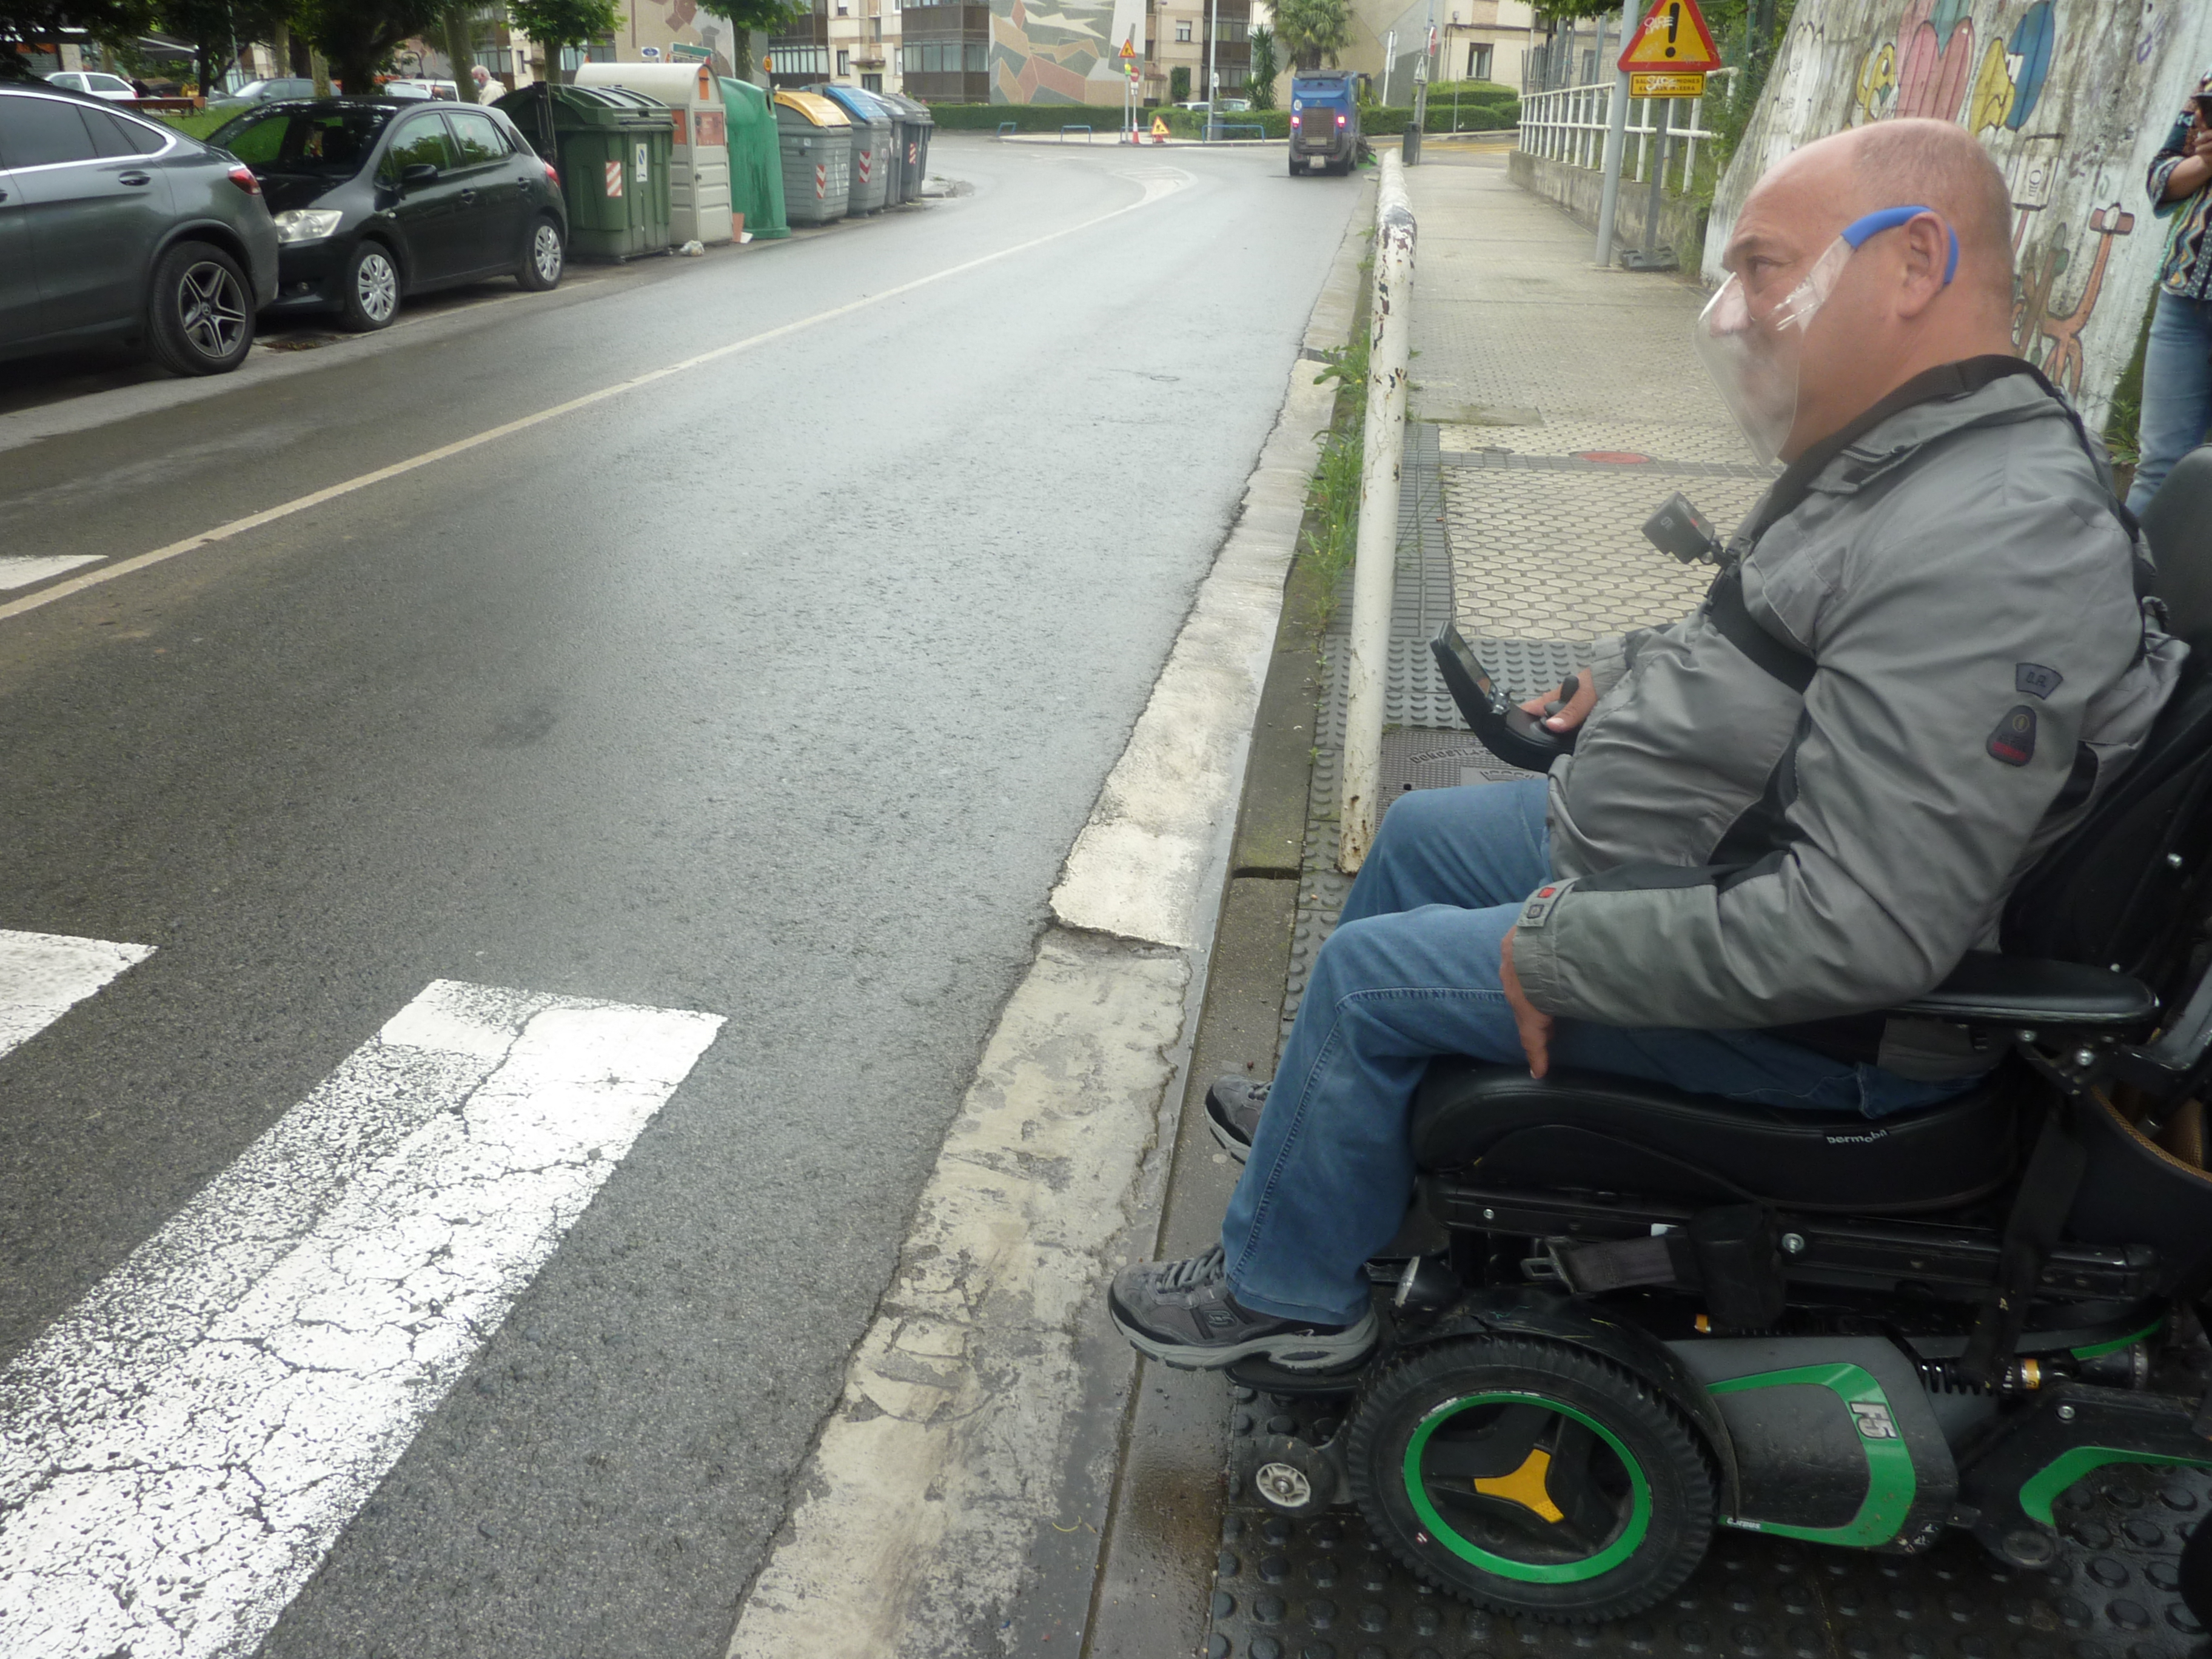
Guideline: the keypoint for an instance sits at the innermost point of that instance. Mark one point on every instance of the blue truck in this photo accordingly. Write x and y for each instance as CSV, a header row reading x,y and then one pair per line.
x,y
1324,122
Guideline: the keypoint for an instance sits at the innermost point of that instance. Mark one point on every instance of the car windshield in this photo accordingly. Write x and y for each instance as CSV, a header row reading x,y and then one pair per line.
x,y
326,142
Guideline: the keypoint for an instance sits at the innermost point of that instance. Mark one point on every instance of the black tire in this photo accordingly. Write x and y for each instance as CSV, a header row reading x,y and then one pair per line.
x,y
1294,166
2197,1573
199,320
369,287
543,257
1631,1521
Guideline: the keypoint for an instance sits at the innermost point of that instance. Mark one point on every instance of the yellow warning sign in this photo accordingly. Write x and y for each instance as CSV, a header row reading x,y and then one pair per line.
x,y
1672,36
1159,127
1666,86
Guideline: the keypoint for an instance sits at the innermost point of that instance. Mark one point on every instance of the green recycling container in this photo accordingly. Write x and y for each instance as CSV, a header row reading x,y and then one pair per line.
x,y
614,148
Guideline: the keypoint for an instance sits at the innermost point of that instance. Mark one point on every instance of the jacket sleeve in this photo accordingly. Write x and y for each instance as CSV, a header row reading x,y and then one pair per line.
x,y
2162,165
1942,723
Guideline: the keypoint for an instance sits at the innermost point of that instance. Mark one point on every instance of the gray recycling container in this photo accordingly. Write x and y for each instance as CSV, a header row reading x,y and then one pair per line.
x,y
910,131
872,163
817,138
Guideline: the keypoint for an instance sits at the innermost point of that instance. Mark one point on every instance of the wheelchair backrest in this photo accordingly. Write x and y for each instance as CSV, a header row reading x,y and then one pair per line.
x,y
2122,888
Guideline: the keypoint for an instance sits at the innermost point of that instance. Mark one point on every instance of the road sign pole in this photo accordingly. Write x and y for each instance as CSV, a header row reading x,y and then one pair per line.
x,y
1616,141
1661,124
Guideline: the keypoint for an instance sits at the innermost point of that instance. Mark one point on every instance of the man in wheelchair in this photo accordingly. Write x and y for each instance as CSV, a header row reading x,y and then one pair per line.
x,y
1668,1040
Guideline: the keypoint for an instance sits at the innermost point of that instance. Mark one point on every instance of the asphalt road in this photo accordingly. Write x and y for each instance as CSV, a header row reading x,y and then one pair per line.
x,y
776,688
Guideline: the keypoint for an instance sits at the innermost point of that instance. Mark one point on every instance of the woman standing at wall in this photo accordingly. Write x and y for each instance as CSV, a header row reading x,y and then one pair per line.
x,y
2177,391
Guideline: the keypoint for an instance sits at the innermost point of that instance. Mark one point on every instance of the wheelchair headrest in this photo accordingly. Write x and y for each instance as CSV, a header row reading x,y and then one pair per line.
x,y
2178,524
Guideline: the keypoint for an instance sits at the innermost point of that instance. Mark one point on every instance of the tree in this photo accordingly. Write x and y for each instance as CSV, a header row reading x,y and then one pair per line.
x,y
217,29
1311,30
1262,79
1179,84
555,24
40,22
357,36
745,16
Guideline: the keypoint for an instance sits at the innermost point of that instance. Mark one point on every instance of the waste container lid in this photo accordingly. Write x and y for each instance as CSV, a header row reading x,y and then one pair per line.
x,y
582,107
862,105
815,107
905,108
666,83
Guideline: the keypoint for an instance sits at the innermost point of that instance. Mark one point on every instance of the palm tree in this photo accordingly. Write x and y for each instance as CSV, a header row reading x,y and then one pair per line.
x,y
1260,81
1311,30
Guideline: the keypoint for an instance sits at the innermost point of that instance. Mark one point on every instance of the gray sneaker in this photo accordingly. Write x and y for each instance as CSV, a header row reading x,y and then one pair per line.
x,y
1232,1112
1181,1314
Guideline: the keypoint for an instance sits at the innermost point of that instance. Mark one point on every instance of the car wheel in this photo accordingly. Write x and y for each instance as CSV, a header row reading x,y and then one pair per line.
x,y
542,257
368,293
200,320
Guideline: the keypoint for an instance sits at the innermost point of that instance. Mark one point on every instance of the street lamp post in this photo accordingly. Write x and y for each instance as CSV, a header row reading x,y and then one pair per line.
x,y
1212,75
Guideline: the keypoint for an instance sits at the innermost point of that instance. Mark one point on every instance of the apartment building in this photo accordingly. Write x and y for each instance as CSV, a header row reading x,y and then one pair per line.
x,y
1476,40
1177,34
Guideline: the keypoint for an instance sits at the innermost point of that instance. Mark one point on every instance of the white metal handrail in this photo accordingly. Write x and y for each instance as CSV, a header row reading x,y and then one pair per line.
x,y
1568,125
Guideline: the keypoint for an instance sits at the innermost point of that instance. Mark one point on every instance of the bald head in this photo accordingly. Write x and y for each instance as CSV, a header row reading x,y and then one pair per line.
x,y
1935,164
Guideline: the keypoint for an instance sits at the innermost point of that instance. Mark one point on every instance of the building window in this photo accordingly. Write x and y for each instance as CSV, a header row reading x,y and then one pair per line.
x,y
871,83
1478,63
1182,31
1236,29
844,61
602,51
799,60
1230,78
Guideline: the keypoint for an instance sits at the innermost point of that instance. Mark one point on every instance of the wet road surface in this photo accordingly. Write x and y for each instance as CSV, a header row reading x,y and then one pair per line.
x,y
773,689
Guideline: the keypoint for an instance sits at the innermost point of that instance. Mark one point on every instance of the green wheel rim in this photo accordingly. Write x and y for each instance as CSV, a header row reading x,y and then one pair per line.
x,y
1626,1542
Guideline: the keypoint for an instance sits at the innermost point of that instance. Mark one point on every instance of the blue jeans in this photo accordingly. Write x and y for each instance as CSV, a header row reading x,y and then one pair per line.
x,y
1412,972
2177,392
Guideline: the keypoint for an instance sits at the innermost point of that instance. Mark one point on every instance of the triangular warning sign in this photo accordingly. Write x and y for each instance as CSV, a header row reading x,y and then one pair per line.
x,y
1672,36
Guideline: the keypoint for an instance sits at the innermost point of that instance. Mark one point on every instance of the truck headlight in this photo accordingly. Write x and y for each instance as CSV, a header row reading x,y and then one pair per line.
x,y
306,224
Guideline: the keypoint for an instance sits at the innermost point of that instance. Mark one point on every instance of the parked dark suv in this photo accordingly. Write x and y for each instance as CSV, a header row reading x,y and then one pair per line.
x,y
114,227
379,197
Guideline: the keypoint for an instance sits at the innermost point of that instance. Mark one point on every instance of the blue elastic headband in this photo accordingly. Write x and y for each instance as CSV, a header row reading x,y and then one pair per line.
x,y
1874,224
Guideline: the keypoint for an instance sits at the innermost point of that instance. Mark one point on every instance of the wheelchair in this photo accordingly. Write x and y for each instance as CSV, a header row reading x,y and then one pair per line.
x,y
1621,1315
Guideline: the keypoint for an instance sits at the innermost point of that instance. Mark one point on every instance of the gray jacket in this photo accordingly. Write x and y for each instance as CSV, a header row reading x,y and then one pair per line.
x,y
1734,853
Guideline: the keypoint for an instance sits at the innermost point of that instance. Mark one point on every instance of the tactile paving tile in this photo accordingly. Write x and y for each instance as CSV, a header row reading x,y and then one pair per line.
x,y
1321,1589
1494,455
1718,442
1547,555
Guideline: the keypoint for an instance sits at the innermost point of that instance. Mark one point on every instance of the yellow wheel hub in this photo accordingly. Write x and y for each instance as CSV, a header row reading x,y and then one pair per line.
x,y
1525,1486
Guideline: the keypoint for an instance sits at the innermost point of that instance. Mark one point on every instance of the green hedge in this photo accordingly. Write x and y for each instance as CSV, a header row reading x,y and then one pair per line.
x,y
1496,113
1026,118
1378,121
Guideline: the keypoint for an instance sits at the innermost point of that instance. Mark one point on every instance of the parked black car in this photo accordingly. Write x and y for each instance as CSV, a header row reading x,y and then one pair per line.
x,y
376,199
115,226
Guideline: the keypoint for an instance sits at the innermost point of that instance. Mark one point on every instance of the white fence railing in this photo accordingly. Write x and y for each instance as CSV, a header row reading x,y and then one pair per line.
x,y
1569,125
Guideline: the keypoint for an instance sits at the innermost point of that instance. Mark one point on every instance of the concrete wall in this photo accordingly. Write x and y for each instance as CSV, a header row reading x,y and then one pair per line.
x,y
1061,52
1578,190
2072,97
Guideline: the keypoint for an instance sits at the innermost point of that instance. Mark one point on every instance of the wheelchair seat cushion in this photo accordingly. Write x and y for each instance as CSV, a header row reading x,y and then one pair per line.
x,y
1594,1131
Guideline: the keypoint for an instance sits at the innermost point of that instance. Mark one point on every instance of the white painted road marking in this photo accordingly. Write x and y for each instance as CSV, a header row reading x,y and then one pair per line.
x,y
43,975
21,570
1153,187
178,1452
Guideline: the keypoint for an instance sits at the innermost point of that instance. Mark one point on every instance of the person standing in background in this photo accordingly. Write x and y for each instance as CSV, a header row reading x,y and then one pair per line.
x,y
2177,386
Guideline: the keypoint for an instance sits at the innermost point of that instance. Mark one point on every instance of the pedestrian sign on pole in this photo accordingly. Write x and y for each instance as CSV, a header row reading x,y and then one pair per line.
x,y
1672,39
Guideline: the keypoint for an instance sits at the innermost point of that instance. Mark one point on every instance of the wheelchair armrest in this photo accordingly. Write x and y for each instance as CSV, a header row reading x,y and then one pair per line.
x,y
1989,989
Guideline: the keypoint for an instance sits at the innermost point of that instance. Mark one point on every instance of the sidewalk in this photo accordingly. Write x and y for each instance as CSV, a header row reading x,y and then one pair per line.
x,y
1555,405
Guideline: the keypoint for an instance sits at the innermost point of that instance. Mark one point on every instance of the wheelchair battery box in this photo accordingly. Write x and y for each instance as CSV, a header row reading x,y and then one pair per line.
x,y
1678,528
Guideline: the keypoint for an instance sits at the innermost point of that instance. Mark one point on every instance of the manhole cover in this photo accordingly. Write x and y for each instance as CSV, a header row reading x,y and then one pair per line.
x,y
1416,759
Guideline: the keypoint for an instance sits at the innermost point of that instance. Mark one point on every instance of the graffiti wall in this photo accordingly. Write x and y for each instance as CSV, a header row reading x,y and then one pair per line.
x,y
1061,52
2072,97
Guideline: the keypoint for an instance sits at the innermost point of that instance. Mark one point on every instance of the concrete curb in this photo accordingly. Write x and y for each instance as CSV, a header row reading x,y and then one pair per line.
x,y
968,1433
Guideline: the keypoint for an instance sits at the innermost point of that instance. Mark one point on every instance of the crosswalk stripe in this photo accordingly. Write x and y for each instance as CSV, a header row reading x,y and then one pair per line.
x,y
43,975
21,570
180,1451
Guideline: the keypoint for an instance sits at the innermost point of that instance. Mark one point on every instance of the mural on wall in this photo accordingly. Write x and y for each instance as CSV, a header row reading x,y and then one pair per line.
x,y
2071,97
1060,52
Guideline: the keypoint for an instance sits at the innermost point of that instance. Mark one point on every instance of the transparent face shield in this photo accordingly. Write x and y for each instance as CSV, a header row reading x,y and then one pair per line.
x,y
1753,354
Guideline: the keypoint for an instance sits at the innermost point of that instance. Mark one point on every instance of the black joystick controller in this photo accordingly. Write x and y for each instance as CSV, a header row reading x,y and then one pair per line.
x,y
1508,731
